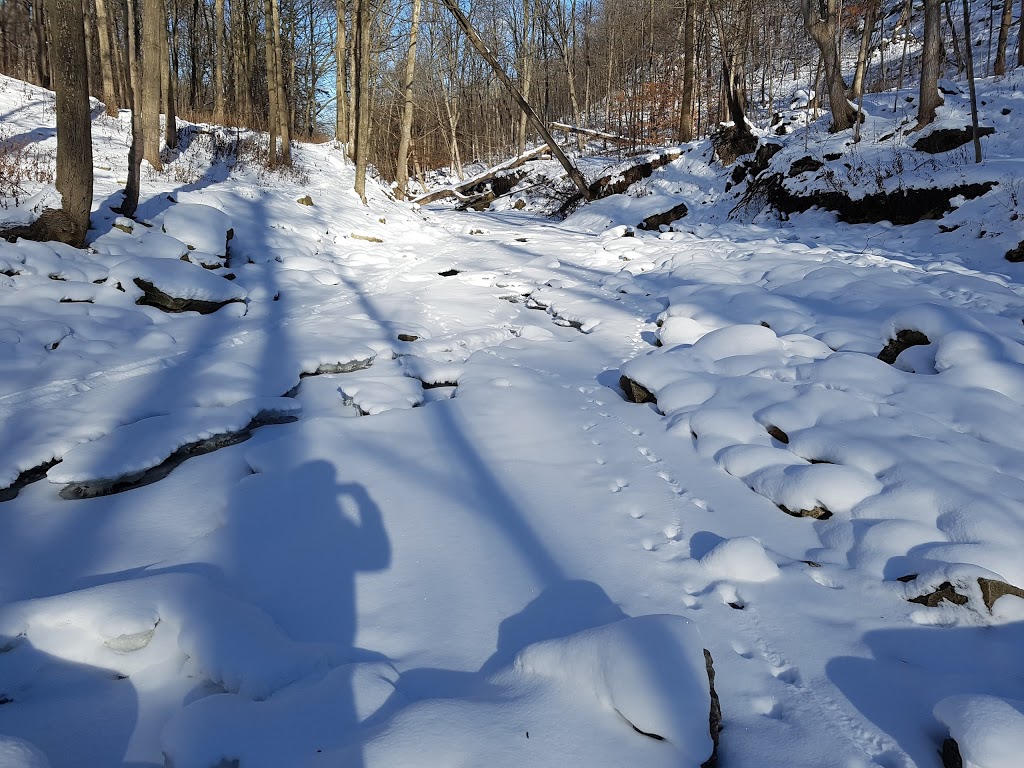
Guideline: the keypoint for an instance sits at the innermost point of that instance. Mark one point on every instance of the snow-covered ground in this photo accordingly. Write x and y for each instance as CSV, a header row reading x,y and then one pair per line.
x,y
366,514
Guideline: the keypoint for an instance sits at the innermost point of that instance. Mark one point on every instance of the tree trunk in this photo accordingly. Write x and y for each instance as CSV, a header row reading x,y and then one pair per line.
x,y
564,50
1020,37
1004,33
864,52
956,39
134,86
931,64
571,170
153,31
284,121
361,32
218,62
272,113
734,76
170,111
821,20
341,79
105,48
402,171
689,71
74,128
87,39
193,38
40,19
526,68
969,51
352,93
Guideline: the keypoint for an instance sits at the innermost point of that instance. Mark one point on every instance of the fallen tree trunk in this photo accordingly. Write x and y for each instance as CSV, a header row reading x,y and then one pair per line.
x,y
612,137
469,187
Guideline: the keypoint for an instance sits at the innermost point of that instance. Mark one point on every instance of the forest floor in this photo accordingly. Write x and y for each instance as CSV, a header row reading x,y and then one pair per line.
x,y
389,506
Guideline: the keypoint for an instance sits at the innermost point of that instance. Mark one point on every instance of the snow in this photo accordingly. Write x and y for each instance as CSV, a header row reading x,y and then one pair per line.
x,y
988,731
142,445
740,559
649,669
456,531
200,227
18,753
176,278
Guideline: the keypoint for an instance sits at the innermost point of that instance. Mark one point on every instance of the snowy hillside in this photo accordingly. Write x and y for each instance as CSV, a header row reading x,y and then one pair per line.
x,y
333,485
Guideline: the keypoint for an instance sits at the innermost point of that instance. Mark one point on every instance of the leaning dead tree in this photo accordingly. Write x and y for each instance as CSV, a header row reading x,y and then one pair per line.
x,y
538,124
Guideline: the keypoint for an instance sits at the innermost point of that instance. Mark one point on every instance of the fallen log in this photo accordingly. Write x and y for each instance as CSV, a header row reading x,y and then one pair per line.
x,y
612,137
474,186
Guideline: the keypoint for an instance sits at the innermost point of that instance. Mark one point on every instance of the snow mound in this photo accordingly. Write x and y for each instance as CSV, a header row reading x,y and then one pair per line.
x,y
135,625
376,394
135,448
201,227
18,753
649,669
740,559
177,279
988,731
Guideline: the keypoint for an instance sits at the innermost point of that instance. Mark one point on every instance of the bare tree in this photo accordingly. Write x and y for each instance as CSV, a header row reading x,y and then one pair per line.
x,y
361,29
402,172
931,64
969,52
133,86
169,91
471,34
1004,35
273,113
218,61
105,47
864,51
689,84
341,80
821,20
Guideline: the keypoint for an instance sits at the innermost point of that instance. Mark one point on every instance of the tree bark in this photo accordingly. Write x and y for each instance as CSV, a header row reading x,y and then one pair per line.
x,y
999,68
39,18
341,78
218,62
526,58
402,170
969,52
931,64
153,31
87,38
361,31
170,110
689,71
864,52
133,80
105,48
74,128
272,113
571,170
1020,37
284,121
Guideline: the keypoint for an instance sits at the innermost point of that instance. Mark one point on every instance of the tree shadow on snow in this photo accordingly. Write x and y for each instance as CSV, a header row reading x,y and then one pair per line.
x,y
911,670
76,714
